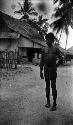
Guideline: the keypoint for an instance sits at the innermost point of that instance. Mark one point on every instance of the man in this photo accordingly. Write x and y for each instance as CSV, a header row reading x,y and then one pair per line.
x,y
48,61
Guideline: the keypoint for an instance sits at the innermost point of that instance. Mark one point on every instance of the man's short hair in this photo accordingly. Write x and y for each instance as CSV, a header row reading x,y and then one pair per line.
x,y
50,35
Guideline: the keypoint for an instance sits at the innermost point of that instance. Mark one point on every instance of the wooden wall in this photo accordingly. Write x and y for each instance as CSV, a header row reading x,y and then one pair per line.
x,y
24,42
12,44
9,44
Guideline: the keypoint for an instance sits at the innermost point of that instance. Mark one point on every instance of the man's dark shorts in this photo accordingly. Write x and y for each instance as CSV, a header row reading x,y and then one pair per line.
x,y
50,73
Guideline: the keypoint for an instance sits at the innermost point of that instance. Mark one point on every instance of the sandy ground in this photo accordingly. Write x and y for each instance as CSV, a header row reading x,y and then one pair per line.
x,y
22,97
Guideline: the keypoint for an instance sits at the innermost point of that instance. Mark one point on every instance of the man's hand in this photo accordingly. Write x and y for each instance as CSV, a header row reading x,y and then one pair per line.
x,y
41,75
60,62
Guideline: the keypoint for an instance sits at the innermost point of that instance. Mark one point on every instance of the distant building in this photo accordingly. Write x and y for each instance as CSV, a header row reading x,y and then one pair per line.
x,y
70,52
66,54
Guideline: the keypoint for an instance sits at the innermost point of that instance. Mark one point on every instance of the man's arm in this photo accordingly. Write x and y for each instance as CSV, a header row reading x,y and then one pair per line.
x,y
59,57
42,63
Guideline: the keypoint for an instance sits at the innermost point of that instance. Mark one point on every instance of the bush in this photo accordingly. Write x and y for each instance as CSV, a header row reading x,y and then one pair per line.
x,y
36,61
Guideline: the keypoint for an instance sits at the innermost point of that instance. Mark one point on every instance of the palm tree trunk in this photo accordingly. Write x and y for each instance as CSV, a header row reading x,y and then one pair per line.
x,y
65,49
66,42
60,35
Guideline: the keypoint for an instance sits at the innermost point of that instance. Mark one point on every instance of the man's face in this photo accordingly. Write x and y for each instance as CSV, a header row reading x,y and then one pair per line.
x,y
50,41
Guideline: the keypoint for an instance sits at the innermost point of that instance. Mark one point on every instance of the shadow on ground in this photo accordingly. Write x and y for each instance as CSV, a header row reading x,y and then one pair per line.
x,y
9,113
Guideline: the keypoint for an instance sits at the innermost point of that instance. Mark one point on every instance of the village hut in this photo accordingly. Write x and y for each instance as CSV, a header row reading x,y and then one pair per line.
x,y
20,36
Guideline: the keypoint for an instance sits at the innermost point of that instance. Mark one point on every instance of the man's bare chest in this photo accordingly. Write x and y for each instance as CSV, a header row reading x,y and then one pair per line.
x,y
50,51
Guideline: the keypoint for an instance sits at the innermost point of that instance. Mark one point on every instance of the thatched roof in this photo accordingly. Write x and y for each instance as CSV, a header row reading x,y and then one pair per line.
x,y
67,52
9,35
22,28
70,50
62,49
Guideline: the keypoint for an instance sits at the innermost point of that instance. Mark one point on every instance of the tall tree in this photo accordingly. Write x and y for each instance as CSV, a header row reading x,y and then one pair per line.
x,y
65,9
26,10
64,16
60,25
43,24
41,20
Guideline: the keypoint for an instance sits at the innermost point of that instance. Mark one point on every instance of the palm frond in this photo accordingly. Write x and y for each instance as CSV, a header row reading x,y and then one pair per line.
x,y
44,20
66,30
57,25
41,20
72,15
55,1
33,13
61,11
18,12
21,10
30,4
45,28
21,6
71,1
31,9
27,5
40,17
64,13
61,1
64,1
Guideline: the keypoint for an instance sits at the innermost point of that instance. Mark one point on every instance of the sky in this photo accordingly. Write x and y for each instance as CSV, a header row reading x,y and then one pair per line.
x,y
9,6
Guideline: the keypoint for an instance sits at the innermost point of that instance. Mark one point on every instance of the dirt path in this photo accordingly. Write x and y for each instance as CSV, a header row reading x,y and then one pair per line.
x,y
22,95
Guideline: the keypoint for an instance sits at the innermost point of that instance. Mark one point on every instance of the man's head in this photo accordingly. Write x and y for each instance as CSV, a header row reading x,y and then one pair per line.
x,y
50,38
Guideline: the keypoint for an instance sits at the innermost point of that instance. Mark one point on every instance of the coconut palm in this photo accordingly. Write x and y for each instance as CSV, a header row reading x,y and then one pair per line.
x,y
60,25
26,10
64,15
65,8
41,20
42,24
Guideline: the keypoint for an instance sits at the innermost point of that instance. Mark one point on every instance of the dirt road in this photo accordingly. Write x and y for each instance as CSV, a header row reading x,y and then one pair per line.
x,y
22,97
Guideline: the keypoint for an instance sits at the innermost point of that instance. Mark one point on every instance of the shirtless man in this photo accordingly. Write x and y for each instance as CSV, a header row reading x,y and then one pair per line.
x,y
48,61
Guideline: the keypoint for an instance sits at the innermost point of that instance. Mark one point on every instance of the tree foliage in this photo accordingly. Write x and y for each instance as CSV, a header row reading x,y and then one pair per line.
x,y
26,10
63,15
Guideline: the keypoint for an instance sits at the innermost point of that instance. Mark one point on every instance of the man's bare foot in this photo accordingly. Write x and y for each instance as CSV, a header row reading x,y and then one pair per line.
x,y
47,105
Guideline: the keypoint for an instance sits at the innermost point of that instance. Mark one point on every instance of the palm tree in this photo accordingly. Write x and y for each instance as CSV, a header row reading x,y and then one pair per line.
x,y
26,10
60,25
64,15
65,9
42,24
45,28
41,20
